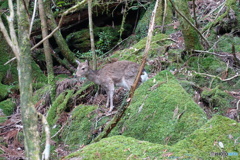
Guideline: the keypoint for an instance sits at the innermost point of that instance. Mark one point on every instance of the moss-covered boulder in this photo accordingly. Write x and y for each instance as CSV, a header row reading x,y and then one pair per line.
x,y
161,112
121,147
7,106
135,52
79,132
203,143
206,141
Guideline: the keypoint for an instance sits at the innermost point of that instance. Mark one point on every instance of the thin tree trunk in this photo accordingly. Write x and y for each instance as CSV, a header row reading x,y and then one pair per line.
x,y
28,111
94,57
47,50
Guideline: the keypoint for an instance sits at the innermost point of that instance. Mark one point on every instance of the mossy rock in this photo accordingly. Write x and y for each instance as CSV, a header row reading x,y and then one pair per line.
x,y
161,112
201,144
135,52
205,141
7,106
79,132
121,147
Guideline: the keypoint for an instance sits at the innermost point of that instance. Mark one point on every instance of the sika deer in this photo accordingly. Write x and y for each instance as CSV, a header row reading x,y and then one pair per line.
x,y
120,74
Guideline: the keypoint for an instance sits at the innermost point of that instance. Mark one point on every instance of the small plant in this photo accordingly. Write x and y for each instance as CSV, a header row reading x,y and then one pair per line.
x,y
105,42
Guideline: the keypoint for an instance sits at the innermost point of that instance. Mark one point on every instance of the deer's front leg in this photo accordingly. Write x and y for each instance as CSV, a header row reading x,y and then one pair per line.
x,y
110,96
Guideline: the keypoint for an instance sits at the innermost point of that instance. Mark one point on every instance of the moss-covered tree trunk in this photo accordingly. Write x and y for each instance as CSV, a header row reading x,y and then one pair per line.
x,y
164,14
94,57
191,38
47,50
66,52
28,111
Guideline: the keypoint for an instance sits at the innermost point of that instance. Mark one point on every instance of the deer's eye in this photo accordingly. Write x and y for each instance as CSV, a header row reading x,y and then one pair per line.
x,y
83,69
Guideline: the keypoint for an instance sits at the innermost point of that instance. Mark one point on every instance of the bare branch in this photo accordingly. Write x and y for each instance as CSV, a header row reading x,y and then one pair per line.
x,y
33,16
221,79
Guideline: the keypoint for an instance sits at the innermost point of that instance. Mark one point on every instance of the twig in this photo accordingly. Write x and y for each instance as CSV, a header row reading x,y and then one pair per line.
x,y
10,60
208,45
221,79
213,53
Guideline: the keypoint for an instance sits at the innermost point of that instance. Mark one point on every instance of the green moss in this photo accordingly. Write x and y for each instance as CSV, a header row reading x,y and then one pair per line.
x,y
217,99
150,116
7,106
198,145
135,52
81,128
58,106
4,91
120,147
37,74
40,93
206,139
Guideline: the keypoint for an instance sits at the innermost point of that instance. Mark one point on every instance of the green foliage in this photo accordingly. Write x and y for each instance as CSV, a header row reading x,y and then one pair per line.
x,y
3,4
105,41
150,116
7,106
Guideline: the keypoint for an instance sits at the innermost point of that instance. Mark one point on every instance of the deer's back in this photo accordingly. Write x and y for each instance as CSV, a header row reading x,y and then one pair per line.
x,y
120,69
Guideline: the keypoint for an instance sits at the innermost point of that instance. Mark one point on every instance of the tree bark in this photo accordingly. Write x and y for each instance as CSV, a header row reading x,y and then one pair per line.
x,y
28,111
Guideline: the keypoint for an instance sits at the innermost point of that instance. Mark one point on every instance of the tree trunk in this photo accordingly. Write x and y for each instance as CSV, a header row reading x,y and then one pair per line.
x,y
47,50
66,52
28,111
94,58
191,38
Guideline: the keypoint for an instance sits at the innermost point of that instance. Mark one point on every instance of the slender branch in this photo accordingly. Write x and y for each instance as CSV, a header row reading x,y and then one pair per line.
x,y
33,16
10,60
208,45
221,79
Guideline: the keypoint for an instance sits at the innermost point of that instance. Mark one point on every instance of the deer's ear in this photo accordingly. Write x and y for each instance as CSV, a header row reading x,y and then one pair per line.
x,y
86,61
77,61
